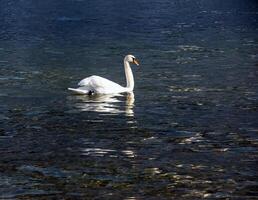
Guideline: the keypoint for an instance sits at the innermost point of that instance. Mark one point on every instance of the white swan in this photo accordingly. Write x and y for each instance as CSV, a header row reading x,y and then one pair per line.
x,y
98,85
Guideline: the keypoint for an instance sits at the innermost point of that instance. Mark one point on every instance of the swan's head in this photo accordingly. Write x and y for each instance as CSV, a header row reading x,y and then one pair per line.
x,y
131,59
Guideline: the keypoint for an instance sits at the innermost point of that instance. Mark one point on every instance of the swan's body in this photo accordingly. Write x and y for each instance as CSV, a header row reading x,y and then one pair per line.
x,y
99,85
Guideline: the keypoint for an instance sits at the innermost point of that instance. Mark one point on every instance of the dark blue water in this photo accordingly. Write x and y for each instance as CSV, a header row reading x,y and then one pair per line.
x,y
190,129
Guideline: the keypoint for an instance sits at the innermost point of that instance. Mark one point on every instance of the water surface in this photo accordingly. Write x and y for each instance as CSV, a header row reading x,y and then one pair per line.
x,y
189,130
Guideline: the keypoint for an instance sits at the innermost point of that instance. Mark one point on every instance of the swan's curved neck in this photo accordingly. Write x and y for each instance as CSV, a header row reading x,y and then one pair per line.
x,y
129,76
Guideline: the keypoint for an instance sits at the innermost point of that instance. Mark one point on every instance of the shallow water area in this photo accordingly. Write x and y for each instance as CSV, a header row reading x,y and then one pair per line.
x,y
189,130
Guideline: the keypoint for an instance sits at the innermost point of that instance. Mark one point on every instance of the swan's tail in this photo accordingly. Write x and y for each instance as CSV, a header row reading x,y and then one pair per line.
x,y
79,91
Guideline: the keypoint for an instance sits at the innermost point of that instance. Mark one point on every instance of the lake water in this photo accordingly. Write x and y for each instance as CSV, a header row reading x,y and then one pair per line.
x,y
189,131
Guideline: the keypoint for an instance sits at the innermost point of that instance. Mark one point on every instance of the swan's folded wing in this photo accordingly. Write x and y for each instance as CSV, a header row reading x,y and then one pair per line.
x,y
85,81
99,84
95,81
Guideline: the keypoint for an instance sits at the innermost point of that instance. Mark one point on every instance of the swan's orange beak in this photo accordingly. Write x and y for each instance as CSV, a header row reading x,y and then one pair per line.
x,y
135,62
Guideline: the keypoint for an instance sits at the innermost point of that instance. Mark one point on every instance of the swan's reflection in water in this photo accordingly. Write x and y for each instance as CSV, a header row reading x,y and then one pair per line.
x,y
105,104
129,104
